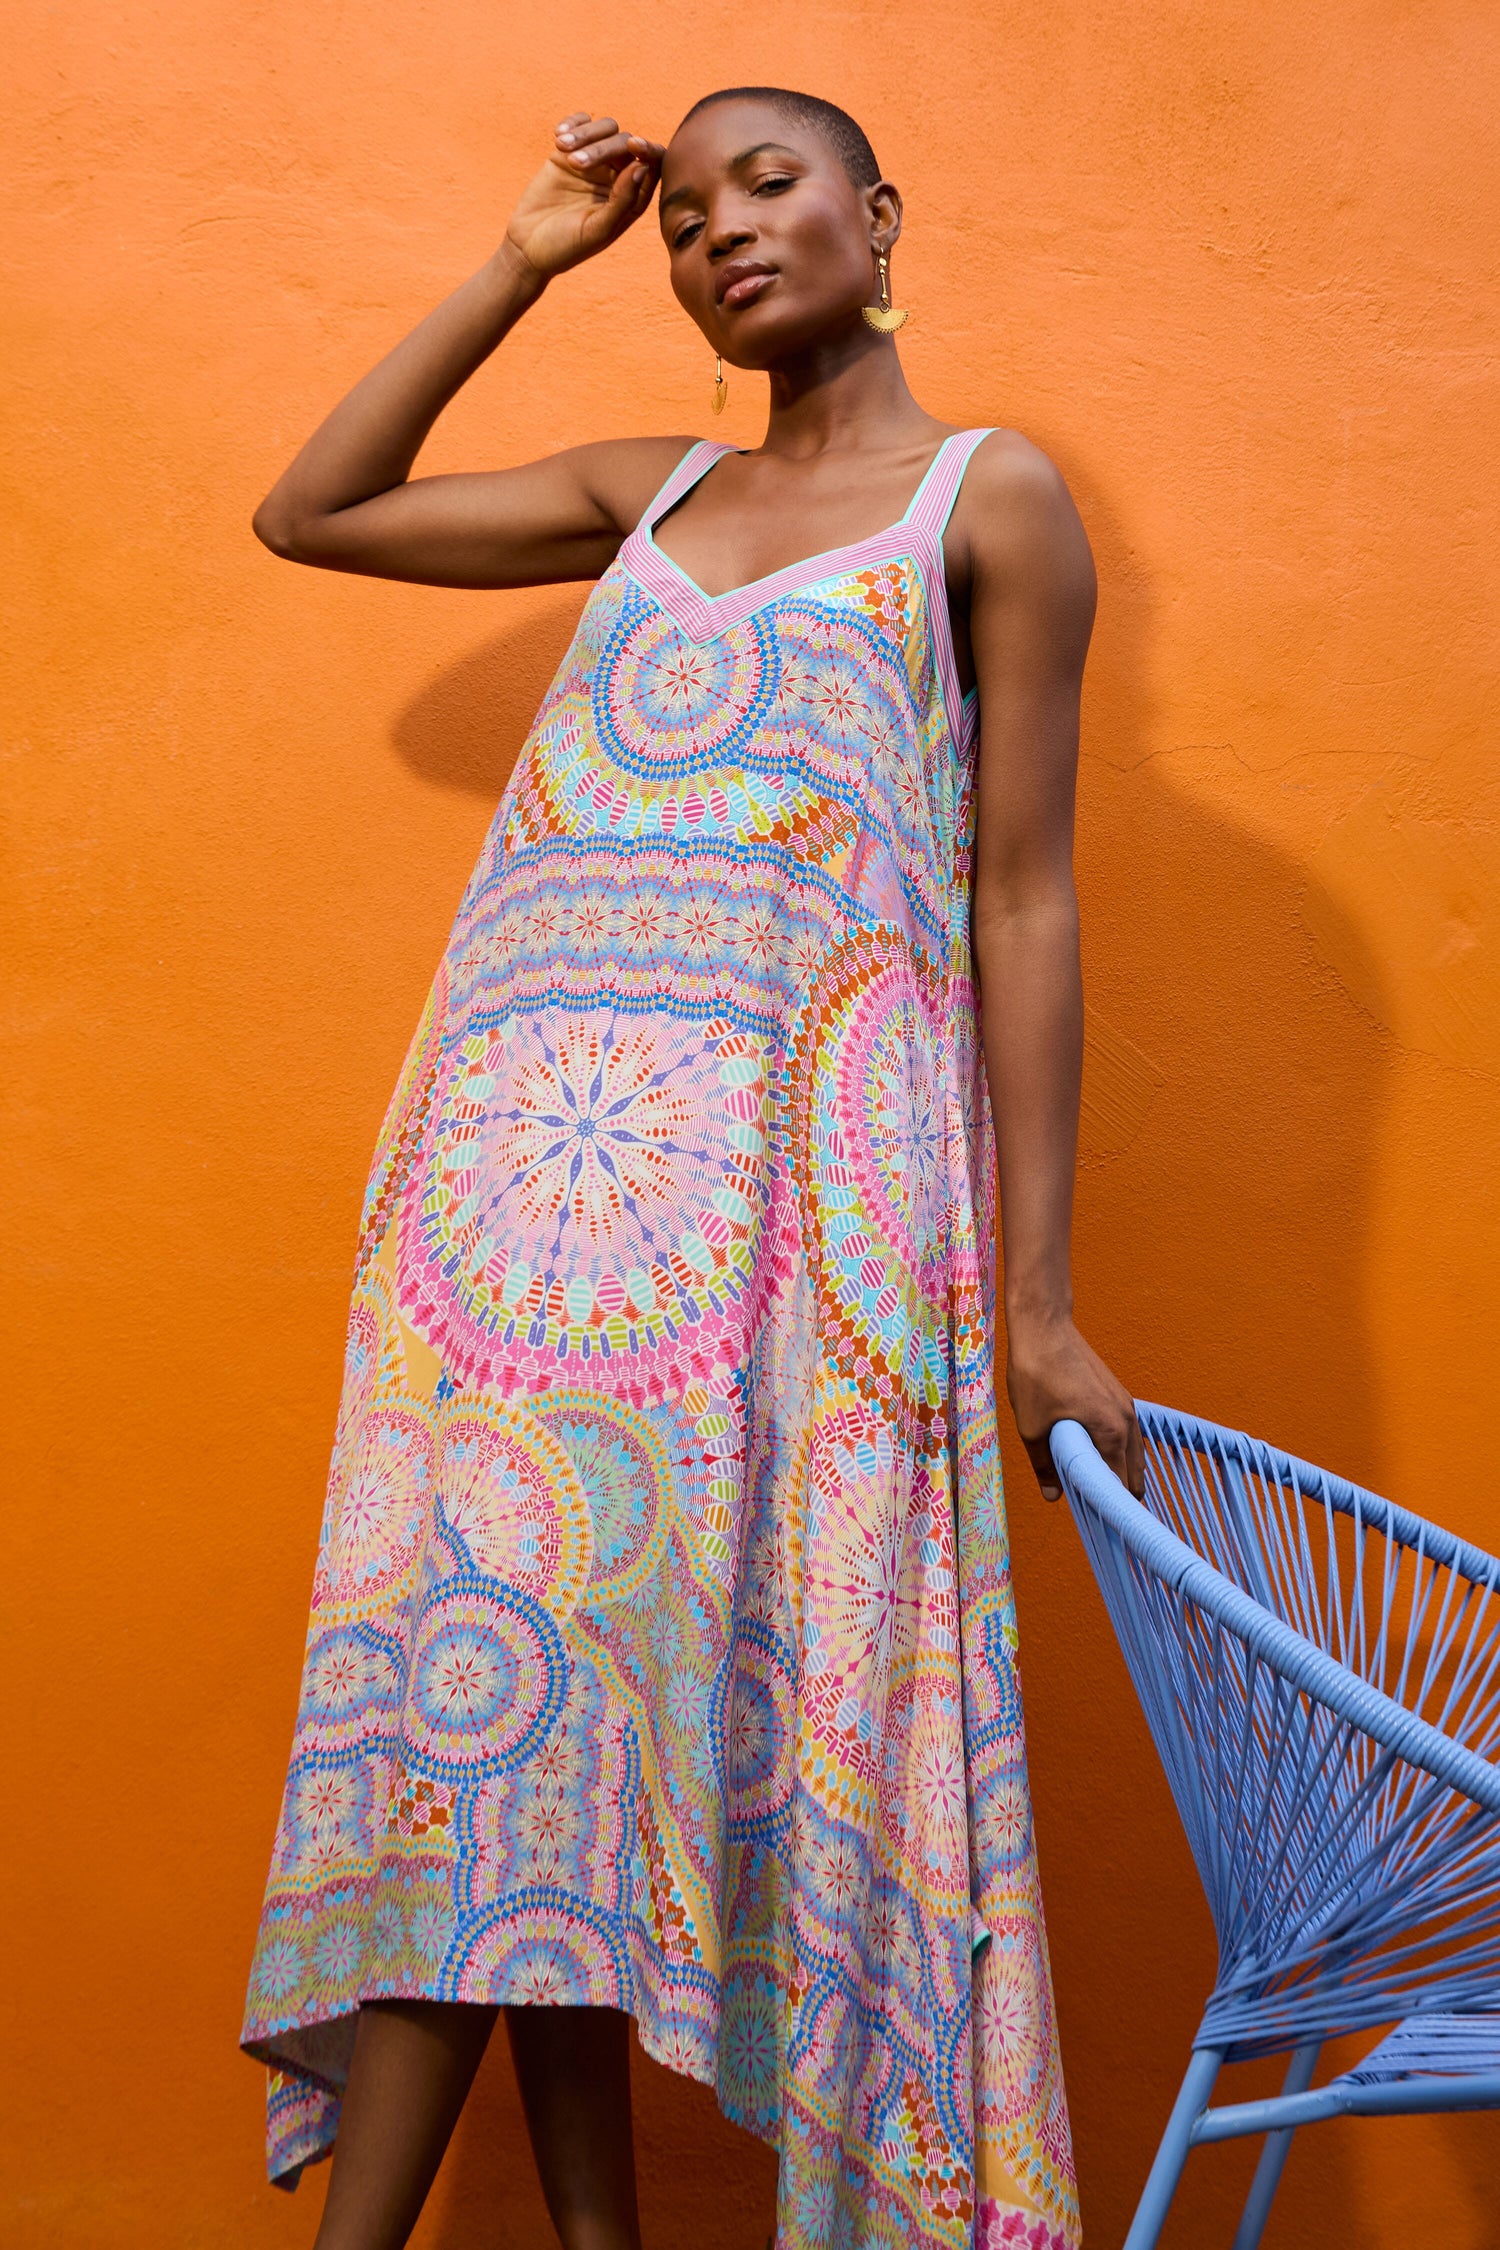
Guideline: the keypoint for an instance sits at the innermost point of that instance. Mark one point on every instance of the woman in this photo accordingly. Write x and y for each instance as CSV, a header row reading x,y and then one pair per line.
x,y
661,1657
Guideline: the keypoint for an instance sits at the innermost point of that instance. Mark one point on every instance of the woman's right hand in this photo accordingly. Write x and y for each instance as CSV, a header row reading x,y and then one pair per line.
x,y
594,185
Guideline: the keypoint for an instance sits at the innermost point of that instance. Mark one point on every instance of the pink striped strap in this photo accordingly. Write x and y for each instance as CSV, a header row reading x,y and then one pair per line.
x,y
696,462
933,502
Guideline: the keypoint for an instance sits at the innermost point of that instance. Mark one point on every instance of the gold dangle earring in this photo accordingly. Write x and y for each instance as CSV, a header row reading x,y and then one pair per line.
x,y
721,388
885,316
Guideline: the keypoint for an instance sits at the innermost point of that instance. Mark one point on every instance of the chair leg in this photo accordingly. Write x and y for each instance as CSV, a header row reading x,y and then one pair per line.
x,y
1273,2156
1161,2185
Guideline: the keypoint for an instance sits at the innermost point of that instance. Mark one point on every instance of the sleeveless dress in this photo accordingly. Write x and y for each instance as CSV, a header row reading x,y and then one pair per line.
x,y
662,1652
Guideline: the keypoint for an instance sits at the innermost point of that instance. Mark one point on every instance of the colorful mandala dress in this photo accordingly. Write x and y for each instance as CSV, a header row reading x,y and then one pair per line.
x,y
662,1653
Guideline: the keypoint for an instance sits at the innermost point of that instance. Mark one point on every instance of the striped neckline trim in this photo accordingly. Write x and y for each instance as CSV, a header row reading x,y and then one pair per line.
x,y
704,617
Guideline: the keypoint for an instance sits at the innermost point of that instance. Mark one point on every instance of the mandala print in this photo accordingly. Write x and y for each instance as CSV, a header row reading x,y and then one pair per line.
x,y
662,704
541,1956
486,1679
894,1105
624,1473
863,1598
350,1686
327,1819
591,1190
508,1492
662,1653
871,1145
924,1782
377,1535
758,1728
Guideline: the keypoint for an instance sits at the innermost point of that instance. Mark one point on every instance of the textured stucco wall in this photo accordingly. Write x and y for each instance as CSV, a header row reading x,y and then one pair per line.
x,y
1233,266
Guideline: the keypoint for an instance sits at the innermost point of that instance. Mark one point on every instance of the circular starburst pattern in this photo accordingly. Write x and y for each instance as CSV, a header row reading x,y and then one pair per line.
x,y
509,1491
664,704
487,1679
543,1955
327,1817
592,1190
751,2048
617,1458
384,1493
923,1783
759,1724
336,1956
890,1108
349,1689
871,1162
862,1577
1013,2027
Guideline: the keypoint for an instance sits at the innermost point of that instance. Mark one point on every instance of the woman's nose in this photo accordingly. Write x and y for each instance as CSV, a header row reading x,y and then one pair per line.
x,y
729,232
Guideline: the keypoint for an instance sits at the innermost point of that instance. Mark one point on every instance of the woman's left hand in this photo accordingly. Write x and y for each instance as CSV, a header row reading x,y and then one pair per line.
x,y
1053,1376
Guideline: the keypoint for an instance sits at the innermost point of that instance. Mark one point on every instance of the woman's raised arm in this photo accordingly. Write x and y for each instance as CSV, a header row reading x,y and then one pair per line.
x,y
348,501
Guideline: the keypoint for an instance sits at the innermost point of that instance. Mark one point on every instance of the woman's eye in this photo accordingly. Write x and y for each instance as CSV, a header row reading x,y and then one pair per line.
x,y
681,241
774,185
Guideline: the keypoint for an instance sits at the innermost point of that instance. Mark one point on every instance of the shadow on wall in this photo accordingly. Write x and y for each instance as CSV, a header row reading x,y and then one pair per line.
x,y
1224,1208
1233,1096
1230,1103
466,727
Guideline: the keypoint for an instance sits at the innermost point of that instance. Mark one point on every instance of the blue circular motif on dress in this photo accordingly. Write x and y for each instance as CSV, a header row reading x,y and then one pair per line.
x,y
754,1717
328,1808
665,705
486,1682
337,1678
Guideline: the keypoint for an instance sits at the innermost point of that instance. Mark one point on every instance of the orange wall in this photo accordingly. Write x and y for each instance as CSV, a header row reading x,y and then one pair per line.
x,y
1231,265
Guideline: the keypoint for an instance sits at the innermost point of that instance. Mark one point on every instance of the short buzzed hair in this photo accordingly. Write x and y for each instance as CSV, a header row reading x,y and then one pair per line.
x,y
848,140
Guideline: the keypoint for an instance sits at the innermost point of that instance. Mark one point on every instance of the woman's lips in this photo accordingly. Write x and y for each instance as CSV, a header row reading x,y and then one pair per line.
x,y
745,292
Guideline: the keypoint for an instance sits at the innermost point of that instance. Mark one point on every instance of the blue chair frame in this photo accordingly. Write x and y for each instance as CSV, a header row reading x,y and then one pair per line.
x,y
1320,1671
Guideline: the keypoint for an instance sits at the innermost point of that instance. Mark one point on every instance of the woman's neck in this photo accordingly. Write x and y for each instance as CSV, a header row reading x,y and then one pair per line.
x,y
842,396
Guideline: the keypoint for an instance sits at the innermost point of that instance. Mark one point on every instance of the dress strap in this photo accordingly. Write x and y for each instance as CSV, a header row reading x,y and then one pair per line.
x,y
696,462
933,500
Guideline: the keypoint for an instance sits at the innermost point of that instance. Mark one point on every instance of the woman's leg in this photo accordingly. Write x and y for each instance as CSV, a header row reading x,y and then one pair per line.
x,y
573,2065
414,2062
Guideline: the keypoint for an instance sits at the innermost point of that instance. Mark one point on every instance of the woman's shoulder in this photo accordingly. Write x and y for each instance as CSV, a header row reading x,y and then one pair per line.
x,y
624,475
1007,462
1014,505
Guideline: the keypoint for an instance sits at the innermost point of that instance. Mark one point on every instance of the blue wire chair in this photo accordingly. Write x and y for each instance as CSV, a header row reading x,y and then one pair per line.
x,y
1321,1674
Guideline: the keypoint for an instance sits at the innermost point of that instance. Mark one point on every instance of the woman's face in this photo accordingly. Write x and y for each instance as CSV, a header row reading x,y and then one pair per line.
x,y
772,245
